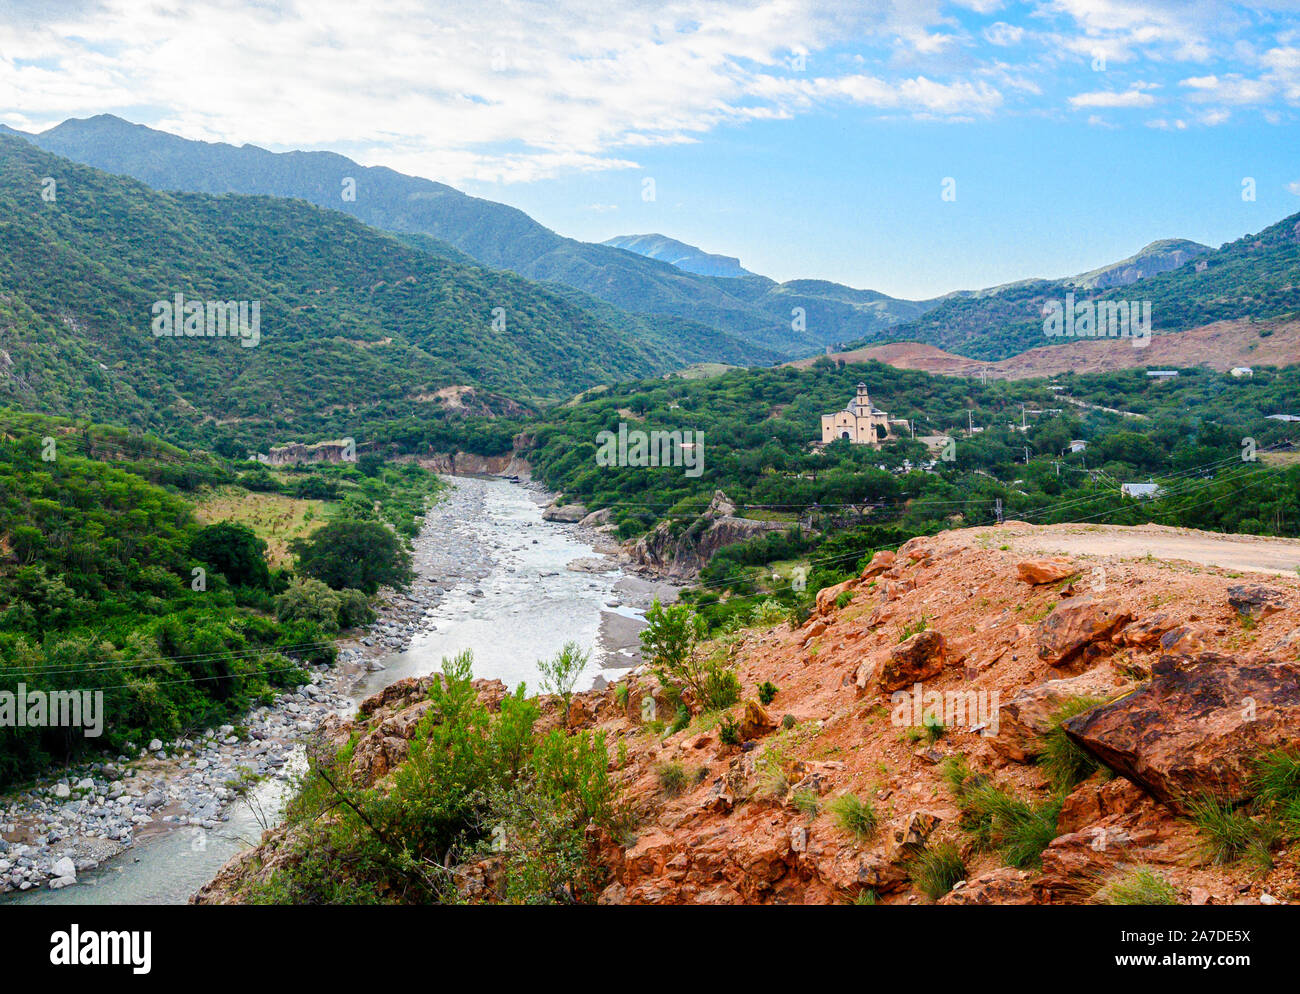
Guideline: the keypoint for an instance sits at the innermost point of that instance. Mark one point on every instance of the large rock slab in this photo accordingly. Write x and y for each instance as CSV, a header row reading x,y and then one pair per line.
x,y
1065,634
1196,726
1038,571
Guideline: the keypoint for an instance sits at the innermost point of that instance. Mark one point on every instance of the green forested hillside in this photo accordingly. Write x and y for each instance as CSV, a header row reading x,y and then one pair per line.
x,y
351,320
751,312
1257,276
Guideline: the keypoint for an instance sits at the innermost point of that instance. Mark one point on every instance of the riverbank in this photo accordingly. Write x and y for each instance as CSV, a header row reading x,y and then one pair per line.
x,y
472,569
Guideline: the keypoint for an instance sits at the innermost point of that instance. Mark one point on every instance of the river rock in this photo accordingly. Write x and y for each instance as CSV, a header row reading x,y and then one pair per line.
x,y
565,513
65,867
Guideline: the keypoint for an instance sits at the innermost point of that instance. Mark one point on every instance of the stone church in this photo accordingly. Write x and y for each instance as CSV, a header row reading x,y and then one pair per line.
x,y
859,422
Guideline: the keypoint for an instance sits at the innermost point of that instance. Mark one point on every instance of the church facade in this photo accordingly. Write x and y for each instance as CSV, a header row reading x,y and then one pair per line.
x,y
859,422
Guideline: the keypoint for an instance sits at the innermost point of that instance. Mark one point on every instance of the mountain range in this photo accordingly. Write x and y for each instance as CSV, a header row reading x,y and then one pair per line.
x,y
1256,277
354,323
754,309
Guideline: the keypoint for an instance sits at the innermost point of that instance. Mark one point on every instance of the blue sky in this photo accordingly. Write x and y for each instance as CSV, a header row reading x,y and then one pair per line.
x,y
811,139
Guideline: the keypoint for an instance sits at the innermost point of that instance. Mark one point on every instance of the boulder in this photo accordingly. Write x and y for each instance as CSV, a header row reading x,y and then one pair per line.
x,y
755,722
919,658
1068,632
1075,866
907,836
1196,726
597,519
1038,571
881,561
826,596
565,513
64,867
1255,601
1023,720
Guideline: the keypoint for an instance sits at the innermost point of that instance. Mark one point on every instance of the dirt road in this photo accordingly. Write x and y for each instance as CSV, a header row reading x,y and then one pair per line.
x,y
1238,553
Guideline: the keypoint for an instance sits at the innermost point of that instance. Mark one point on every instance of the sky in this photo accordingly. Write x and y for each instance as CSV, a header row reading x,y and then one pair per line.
x,y
912,147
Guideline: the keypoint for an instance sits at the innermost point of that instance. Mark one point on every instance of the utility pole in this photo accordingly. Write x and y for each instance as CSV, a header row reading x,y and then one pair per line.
x,y
997,509
970,422
1026,455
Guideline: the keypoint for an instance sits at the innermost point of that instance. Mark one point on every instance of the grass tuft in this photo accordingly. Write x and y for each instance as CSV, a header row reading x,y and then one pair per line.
x,y
1142,886
936,868
854,815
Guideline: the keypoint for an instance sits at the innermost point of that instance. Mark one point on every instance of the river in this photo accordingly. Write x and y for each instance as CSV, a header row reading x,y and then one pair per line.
x,y
504,590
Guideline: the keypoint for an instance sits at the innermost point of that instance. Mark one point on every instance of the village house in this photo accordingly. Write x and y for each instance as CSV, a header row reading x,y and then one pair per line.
x,y
859,422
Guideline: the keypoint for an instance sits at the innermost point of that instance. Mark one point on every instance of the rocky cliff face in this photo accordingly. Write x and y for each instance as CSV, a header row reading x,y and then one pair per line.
x,y
1179,678
680,550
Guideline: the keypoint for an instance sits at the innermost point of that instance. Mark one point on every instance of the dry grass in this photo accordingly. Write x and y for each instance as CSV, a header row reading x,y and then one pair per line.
x,y
276,519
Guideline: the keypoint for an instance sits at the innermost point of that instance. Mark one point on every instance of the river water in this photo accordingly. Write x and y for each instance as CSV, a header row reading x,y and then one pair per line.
x,y
508,595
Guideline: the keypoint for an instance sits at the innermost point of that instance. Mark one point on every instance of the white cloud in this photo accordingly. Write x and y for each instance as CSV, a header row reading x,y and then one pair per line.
x,y
1135,97
1230,89
498,90
464,89
1294,187
1004,34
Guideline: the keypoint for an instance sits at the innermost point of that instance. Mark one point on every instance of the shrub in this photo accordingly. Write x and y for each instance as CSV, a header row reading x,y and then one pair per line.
x,y
672,778
766,692
855,816
843,599
721,688
788,722
310,600
354,609
768,612
235,552
560,673
729,732
670,641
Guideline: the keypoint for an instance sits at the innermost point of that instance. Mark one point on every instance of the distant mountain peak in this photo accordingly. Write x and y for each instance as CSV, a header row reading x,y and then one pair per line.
x,y
1158,257
685,257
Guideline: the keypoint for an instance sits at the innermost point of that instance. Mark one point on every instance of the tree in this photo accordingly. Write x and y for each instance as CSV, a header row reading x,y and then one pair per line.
x,y
360,554
235,552
560,673
669,641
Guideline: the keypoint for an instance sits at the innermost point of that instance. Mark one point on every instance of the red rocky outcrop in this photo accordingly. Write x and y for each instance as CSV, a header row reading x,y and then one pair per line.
x,y
1197,726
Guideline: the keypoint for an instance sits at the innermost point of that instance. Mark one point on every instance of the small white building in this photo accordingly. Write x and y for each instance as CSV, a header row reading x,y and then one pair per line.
x,y
1162,374
1077,445
1283,417
1139,490
1240,371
